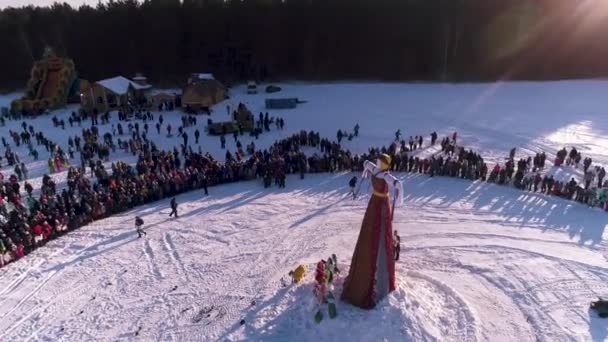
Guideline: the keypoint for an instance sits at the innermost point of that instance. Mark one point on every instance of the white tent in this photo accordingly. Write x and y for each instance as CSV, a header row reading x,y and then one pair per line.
x,y
205,76
119,85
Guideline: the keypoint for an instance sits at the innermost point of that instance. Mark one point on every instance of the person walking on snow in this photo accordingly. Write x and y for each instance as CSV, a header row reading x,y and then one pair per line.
x,y
51,165
433,138
205,184
352,184
396,245
173,207
24,171
197,135
18,172
600,176
138,226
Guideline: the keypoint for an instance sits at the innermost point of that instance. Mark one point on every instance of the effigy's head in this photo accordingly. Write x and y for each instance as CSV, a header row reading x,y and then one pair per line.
x,y
384,161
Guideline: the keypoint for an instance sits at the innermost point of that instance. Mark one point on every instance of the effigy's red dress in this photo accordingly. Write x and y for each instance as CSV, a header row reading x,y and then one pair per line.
x,y
372,270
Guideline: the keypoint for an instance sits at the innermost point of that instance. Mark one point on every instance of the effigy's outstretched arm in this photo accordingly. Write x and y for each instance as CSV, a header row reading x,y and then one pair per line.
x,y
396,185
369,169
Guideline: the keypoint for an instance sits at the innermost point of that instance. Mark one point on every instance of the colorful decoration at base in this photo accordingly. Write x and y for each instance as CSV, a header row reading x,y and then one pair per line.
x,y
297,274
325,274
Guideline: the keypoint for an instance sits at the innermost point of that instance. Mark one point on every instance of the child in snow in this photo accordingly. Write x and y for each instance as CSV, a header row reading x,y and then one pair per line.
x,y
138,224
396,245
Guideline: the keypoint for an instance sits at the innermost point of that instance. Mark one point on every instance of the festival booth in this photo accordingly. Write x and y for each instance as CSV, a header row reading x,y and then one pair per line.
x,y
244,118
162,99
112,93
92,96
242,121
202,92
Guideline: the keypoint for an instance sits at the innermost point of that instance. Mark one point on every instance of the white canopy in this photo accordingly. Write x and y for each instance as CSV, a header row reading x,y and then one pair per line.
x,y
205,76
120,85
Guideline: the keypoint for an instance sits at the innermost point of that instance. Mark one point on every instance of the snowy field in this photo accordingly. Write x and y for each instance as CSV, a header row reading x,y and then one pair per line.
x,y
479,262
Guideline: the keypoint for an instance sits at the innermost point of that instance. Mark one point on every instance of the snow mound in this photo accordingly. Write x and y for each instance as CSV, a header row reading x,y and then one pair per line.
x,y
288,314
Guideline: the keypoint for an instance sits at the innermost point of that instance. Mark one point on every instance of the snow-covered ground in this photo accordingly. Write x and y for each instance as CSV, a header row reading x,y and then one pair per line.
x,y
478,262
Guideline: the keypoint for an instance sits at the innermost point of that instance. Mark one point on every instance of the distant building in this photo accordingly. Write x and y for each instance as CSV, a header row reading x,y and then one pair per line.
x,y
161,98
202,92
112,92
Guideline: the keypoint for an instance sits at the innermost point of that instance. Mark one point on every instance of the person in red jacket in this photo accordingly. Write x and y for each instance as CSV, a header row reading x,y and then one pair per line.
x,y
46,230
58,164
38,234
38,230
19,253
17,200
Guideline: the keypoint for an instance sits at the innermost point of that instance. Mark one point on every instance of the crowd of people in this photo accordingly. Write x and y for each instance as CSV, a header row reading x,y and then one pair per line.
x,y
527,174
28,221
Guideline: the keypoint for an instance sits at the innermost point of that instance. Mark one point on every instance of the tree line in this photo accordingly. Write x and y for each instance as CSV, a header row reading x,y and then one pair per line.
x,y
452,40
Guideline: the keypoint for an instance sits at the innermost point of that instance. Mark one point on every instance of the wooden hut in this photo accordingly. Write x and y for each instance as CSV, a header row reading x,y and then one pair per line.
x,y
161,98
112,92
92,96
202,92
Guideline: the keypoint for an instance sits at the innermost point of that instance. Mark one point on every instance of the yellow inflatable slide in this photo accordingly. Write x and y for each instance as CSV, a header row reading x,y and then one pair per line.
x,y
52,80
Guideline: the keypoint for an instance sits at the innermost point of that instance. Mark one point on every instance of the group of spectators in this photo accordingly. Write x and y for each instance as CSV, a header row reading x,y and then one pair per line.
x,y
527,174
28,219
